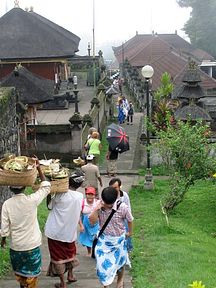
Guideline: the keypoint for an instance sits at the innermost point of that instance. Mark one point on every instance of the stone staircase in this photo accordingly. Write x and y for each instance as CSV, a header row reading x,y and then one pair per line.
x,y
129,161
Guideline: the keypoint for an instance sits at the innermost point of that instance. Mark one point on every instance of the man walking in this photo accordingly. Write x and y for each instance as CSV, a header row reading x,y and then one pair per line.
x,y
112,156
61,230
19,222
92,174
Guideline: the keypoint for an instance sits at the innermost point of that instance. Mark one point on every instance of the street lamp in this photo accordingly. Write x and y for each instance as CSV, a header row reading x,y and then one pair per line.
x,y
147,72
76,100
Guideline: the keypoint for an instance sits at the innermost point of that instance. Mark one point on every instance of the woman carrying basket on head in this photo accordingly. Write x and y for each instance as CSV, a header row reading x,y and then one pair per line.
x,y
19,221
61,230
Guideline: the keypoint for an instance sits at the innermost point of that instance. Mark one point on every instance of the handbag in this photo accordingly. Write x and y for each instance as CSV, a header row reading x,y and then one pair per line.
x,y
102,229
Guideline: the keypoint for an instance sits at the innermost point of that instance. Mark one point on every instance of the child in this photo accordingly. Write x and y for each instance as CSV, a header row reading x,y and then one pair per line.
x,y
110,251
87,231
130,114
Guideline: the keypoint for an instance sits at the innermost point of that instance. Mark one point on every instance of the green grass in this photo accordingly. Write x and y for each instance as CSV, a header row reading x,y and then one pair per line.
x,y
4,261
104,144
156,170
174,256
104,149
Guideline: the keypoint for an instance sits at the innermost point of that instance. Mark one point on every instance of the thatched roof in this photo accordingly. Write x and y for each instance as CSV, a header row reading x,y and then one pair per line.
x,y
188,92
27,35
32,89
192,112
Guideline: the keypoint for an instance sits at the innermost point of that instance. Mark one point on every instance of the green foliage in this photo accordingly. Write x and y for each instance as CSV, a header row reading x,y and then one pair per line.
x,y
174,256
104,149
162,104
202,24
166,88
185,152
4,261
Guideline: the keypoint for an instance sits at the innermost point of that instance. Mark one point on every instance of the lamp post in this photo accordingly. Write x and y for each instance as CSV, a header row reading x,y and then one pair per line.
x,y
76,100
147,72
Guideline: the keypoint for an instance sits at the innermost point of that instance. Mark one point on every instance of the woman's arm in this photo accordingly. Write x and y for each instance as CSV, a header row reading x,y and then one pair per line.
x,y
130,229
93,217
81,225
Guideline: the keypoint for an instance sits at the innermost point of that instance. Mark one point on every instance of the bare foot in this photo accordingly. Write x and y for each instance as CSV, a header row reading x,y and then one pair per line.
x,y
120,284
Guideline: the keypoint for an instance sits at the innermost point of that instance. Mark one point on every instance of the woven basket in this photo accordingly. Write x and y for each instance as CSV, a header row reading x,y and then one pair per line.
x,y
57,185
16,178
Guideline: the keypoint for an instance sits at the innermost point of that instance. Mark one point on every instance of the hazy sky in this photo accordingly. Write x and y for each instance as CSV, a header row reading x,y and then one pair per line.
x,y
115,20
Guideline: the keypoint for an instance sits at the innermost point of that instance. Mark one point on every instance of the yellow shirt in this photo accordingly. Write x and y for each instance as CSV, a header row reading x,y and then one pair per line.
x,y
19,219
94,146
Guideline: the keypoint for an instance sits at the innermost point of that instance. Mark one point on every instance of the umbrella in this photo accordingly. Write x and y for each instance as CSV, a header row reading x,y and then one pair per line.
x,y
117,138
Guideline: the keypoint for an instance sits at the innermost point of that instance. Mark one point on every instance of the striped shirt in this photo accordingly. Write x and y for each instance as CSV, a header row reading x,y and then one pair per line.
x,y
116,226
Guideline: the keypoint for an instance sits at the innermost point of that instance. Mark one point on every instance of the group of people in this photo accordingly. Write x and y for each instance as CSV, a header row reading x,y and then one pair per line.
x,y
89,163
125,111
68,211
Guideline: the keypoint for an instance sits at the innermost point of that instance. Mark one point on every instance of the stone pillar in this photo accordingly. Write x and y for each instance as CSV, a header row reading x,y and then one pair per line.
x,y
76,129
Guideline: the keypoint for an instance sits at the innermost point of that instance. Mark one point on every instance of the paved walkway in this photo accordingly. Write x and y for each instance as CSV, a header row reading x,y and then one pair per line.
x,y
85,272
85,96
127,162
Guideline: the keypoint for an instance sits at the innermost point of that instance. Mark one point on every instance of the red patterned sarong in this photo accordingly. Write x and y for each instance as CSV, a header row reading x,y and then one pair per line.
x,y
63,257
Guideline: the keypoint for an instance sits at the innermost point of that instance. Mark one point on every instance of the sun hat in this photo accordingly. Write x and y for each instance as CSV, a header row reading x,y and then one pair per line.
x,y
79,161
90,157
90,190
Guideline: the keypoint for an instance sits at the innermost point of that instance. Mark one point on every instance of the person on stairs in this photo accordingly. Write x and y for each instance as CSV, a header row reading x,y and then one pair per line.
x,y
61,230
19,222
130,114
88,231
110,251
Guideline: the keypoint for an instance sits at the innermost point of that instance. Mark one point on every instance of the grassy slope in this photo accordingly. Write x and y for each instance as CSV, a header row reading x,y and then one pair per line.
x,y
173,257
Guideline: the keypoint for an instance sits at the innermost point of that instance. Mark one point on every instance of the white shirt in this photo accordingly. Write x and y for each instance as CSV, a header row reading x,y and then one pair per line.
x,y
125,199
63,219
19,219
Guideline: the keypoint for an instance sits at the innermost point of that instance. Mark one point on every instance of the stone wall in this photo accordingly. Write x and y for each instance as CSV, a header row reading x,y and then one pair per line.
x,y
56,141
65,141
8,131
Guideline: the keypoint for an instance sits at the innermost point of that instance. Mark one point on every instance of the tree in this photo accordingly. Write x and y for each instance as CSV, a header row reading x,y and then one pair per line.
x,y
201,26
185,152
163,106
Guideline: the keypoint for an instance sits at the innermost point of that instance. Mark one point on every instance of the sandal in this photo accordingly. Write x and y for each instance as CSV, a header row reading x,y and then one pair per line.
x,y
72,280
58,285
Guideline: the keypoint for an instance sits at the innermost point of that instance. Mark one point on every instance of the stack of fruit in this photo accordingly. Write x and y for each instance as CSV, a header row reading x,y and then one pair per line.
x,y
17,170
57,175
